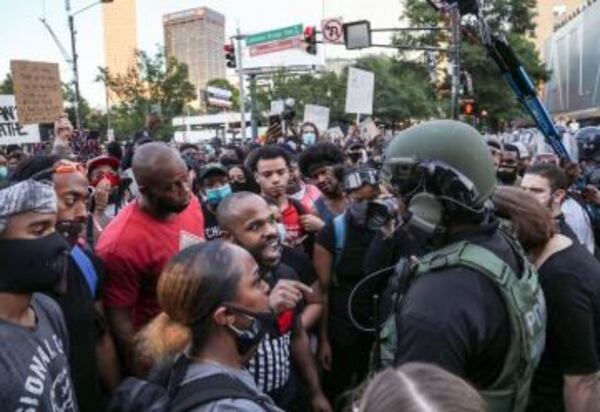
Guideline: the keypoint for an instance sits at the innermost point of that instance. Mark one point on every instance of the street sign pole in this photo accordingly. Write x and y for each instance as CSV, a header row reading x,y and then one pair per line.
x,y
238,51
253,108
455,22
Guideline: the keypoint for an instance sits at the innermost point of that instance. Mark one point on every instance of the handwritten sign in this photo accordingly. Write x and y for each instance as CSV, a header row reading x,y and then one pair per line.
x,y
319,115
38,91
359,92
11,131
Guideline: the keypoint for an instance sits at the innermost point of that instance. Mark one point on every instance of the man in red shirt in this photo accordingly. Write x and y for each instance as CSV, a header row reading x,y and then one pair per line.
x,y
143,237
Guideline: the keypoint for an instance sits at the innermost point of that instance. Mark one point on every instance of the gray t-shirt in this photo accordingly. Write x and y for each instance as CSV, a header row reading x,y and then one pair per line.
x,y
35,370
201,370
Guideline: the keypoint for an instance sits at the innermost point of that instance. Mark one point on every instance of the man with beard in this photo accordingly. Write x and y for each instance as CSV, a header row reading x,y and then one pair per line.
x,y
35,346
271,166
92,356
137,243
509,162
246,220
305,193
548,184
323,164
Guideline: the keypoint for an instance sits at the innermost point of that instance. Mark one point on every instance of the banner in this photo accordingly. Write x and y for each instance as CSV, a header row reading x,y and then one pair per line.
x,y
319,115
359,91
11,132
38,91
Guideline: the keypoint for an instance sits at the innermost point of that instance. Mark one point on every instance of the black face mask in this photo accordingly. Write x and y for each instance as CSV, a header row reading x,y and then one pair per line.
x,y
71,230
239,187
33,265
355,156
507,176
248,339
358,212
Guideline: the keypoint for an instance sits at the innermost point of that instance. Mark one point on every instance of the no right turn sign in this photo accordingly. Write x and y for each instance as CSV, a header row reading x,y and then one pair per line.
x,y
333,30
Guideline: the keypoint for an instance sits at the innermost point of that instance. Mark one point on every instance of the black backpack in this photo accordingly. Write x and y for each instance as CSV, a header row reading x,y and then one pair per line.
x,y
162,392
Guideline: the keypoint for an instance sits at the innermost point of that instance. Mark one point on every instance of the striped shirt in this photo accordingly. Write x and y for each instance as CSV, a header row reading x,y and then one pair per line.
x,y
271,364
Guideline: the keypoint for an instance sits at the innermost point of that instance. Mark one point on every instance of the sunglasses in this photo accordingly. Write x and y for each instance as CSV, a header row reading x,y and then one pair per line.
x,y
62,166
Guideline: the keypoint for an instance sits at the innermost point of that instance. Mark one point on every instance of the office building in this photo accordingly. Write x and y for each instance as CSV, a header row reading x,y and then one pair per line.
x,y
196,37
120,35
549,13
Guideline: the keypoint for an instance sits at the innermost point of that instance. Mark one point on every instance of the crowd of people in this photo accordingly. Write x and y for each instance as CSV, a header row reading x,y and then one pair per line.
x,y
438,270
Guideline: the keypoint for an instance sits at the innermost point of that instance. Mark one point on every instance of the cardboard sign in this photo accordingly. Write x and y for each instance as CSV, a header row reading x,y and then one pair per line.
x,y
319,115
38,91
11,131
359,92
369,130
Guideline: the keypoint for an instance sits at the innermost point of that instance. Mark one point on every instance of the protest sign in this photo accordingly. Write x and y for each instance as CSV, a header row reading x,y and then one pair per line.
x,y
319,115
38,91
359,92
11,131
369,130
335,134
277,107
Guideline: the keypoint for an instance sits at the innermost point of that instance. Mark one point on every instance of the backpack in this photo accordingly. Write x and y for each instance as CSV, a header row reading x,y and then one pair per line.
x,y
86,267
162,392
526,312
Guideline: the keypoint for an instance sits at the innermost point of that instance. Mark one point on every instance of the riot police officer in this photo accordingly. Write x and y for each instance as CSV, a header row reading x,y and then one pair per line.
x,y
472,304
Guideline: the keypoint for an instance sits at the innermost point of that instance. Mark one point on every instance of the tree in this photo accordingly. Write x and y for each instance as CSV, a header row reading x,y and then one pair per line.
x,y
154,83
6,87
510,18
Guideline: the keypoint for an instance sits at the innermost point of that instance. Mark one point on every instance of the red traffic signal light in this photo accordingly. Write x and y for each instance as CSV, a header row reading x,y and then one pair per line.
x,y
229,50
310,38
467,107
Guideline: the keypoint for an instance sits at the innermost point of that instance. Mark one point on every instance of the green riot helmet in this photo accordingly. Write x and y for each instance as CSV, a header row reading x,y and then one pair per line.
x,y
441,168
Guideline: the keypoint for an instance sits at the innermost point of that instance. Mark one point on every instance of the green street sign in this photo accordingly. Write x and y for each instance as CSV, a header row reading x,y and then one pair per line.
x,y
274,35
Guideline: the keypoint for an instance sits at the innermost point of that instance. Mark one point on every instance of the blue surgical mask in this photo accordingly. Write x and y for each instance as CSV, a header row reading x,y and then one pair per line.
x,y
3,172
216,195
309,138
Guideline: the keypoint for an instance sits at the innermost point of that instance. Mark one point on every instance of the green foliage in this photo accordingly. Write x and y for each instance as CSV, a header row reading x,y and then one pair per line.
x,y
155,82
6,87
513,19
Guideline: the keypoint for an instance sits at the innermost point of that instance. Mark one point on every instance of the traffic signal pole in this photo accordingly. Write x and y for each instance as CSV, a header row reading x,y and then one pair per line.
x,y
240,68
455,23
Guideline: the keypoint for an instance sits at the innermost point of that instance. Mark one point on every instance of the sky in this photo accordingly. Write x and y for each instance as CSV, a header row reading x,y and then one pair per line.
x,y
25,37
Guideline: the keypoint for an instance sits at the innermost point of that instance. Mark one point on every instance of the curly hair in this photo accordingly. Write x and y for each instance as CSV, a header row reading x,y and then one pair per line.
x,y
319,155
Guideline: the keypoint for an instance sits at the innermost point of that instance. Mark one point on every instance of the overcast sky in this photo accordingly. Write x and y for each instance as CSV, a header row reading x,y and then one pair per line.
x,y
24,36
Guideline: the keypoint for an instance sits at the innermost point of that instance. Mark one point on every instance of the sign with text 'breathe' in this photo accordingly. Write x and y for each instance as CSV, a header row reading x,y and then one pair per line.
x,y
38,91
11,131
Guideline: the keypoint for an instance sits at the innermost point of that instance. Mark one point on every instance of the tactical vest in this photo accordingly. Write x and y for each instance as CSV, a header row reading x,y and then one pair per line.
x,y
526,309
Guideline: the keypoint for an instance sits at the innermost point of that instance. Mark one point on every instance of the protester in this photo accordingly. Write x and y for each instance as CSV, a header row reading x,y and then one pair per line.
x,y
443,172
566,378
323,164
343,349
420,387
495,150
548,184
309,134
3,169
35,345
271,166
93,358
215,312
109,196
578,212
354,149
13,160
305,193
241,179
507,171
247,221
137,243
214,187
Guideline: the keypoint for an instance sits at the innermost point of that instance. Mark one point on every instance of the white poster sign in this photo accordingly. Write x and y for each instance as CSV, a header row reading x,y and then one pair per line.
x,y
369,130
319,115
11,132
359,92
277,107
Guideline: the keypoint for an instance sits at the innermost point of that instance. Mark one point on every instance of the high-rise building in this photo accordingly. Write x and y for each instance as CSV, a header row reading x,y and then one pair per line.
x,y
120,35
196,37
550,12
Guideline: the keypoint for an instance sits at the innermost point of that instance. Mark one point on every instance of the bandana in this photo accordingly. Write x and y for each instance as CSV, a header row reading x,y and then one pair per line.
x,y
26,196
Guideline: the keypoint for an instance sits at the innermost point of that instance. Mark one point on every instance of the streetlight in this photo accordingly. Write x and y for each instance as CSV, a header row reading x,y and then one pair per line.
x,y
74,56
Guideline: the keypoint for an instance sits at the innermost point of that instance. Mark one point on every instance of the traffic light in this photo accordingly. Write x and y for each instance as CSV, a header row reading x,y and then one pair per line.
x,y
467,107
230,55
310,38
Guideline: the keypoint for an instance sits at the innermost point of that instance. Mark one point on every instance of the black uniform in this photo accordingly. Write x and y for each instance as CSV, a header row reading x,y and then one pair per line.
x,y
456,317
